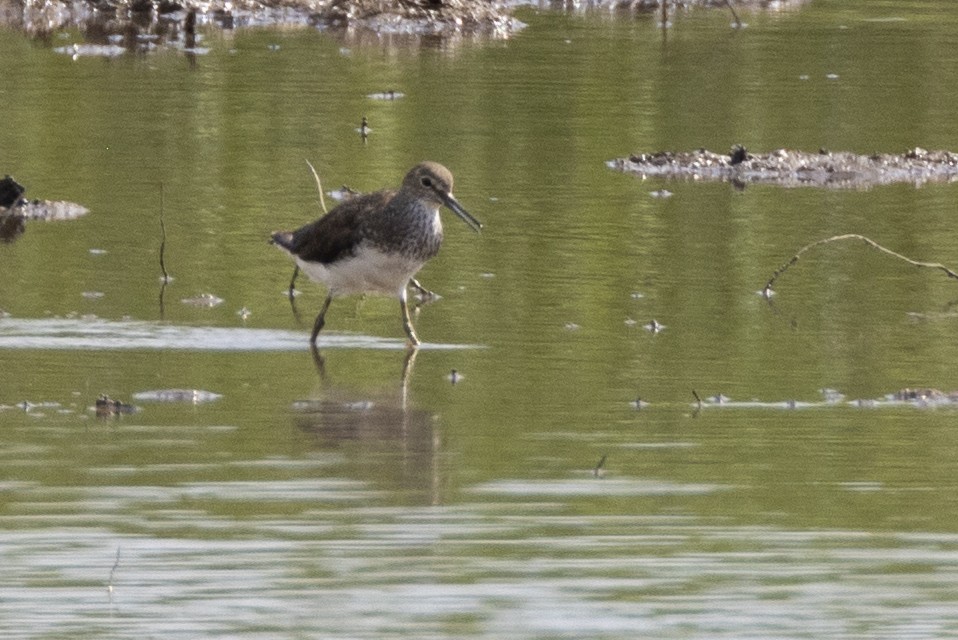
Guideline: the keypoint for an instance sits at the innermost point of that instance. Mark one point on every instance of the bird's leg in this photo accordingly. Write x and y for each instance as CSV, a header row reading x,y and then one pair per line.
x,y
320,319
406,321
423,291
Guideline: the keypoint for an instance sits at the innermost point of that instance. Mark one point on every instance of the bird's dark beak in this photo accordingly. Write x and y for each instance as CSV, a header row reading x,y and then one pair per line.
x,y
453,204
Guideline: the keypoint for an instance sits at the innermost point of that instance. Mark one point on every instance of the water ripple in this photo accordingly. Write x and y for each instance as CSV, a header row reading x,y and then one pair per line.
x,y
71,333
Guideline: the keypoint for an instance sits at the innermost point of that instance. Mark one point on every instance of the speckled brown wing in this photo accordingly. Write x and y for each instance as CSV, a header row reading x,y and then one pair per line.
x,y
337,234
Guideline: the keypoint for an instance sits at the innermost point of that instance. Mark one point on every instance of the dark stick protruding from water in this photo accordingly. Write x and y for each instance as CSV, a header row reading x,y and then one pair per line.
x,y
166,275
597,470
738,23
322,203
853,236
116,564
165,280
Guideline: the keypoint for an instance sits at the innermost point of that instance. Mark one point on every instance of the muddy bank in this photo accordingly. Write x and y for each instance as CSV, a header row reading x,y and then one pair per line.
x,y
141,25
654,5
129,17
15,210
920,398
789,168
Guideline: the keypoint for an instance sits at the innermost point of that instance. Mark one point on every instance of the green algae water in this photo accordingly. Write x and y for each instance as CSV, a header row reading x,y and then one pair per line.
x,y
546,466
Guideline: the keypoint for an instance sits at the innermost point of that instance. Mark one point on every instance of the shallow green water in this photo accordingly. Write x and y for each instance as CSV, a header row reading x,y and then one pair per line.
x,y
359,502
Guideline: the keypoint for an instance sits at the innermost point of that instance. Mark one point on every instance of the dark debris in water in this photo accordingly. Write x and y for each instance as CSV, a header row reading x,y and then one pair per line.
x,y
107,407
15,210
790,168
10,192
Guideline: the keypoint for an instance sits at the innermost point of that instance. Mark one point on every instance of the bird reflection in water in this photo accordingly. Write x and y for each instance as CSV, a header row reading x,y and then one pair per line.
x,y
385,441
11,226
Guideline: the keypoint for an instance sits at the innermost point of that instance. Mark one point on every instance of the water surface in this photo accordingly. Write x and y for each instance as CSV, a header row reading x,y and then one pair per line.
x,y
365,496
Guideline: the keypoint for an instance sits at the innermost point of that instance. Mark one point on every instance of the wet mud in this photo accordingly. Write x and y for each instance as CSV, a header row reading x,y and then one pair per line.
x,y
790,168
15,210
673,5
917,397
114,27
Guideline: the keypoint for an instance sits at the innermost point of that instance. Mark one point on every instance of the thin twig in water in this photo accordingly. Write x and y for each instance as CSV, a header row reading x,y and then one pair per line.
x,y
165,280
292,283
319,186
597,471
738,23
854,236
116,563
166,275
322,203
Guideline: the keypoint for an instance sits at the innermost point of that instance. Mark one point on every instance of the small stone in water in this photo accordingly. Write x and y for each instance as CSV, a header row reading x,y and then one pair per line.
x,y
386,95
203,300
105,50
655,326
194,396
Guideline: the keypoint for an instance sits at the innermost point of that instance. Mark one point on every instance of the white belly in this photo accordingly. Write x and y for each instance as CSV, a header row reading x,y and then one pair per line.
x,y
369,271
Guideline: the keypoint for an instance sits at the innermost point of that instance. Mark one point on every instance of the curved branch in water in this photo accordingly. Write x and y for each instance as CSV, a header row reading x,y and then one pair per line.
x,y
853,236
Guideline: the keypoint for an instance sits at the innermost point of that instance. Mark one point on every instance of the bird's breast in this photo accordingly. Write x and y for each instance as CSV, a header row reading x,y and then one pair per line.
x,y
369,270
416,233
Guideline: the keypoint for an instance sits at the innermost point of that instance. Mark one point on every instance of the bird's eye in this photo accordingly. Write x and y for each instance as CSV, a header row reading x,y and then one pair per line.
x,y
426,181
